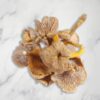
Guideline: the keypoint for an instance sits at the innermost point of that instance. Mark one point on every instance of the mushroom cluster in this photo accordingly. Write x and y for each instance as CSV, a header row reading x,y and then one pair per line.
x,y
52,56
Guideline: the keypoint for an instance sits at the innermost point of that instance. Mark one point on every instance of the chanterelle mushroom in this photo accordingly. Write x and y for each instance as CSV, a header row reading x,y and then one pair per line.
x,y
55,57
36,67
20,56
52,56
69,80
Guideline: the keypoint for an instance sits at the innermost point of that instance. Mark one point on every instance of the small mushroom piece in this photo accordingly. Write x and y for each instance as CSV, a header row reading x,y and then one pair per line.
x,y
48,24
78,23
35,65
49,57
53,24
46,29
29,35
32,33
78,52
20,57
68,81
26,36
65,36
75,39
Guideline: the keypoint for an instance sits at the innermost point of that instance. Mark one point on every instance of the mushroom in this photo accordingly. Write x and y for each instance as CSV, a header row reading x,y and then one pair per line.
x,y
36,67
68,81
46,80
55,57
20,57
52,56
46,29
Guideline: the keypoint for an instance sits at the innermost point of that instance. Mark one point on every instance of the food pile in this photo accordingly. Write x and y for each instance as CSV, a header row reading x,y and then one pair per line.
x,y
52,56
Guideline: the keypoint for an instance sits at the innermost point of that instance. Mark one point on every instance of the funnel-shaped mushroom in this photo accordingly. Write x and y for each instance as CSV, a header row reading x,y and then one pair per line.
x,y
69,80
36,67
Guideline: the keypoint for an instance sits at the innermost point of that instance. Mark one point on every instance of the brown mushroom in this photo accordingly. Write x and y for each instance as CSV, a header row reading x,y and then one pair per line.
x,y
55,57
20,57
46,29
35,65
66,37
68,81
52,55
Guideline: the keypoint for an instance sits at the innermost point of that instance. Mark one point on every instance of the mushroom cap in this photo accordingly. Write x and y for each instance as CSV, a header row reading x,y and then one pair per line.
x,y
68,81
66,37
36,67
19,56
48,24
55,57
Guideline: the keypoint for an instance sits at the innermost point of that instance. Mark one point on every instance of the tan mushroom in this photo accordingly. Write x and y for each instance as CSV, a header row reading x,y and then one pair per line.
x,y
55,57
68,81
66,36
35,65
20,57
52,56
46,28
46,80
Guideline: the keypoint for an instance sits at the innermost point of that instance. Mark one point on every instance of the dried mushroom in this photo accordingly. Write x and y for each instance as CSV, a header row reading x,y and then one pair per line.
x,y
20,56
36,67
55,57
52,55
68,81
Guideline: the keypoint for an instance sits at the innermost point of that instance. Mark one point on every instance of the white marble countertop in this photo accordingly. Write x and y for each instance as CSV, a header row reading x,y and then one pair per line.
x,y
15,15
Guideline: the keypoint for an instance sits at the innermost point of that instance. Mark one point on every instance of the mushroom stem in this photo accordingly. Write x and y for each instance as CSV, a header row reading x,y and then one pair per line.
x,y
78,23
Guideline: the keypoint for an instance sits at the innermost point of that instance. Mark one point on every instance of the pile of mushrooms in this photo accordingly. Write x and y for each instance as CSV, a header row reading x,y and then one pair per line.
x,y
52,56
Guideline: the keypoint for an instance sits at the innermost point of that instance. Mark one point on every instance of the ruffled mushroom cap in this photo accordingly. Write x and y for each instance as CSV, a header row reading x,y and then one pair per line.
x,y
55,57
47,25
36,67
20,54
20,57
68,81
57,61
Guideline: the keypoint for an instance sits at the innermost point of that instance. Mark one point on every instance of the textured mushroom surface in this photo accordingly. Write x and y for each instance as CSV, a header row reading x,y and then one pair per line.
x,y
19,56
52,55
36,67
55,57
69,80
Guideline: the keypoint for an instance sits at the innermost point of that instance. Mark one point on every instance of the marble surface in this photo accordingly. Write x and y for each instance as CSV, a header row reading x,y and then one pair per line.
x,y
15,15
